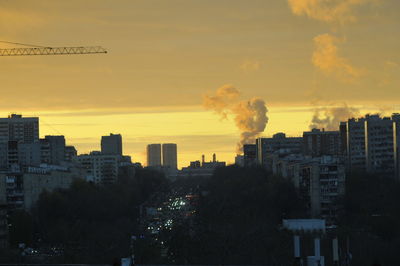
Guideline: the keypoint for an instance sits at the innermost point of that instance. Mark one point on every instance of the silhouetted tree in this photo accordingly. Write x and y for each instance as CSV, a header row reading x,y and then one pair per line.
x,y
20,228
371,219
92,223
238,220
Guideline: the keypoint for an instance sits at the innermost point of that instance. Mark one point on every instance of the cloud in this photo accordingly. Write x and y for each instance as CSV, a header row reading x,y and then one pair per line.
x,y
330,11
391,73
250,66
327,59
122,111
13,20
250,116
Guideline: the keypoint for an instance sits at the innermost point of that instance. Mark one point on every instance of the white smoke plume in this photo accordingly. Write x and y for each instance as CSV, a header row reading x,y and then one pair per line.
x,y
250,116
329,118
222,101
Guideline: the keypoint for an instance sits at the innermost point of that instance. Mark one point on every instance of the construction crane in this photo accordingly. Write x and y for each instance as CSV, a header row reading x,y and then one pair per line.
x,y
43,50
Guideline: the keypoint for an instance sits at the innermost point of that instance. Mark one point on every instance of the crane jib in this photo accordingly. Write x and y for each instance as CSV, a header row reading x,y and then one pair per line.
x,y
52,51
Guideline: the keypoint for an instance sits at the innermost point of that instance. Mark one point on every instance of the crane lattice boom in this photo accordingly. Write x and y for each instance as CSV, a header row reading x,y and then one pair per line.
x,y
52,51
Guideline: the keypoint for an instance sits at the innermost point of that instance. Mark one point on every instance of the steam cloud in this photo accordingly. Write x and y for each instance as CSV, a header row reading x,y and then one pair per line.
x,y
222,101
250,116
326,58
331,11
334,12
329,118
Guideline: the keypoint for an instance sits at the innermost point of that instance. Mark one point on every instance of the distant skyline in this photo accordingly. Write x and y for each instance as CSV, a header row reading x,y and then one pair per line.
x,y
193,139
295,55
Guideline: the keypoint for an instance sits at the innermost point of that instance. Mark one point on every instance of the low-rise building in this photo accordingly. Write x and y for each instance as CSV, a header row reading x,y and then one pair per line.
x,y
201,169
22,189
39,179
267,146
249,154
70,152
239,160
100,168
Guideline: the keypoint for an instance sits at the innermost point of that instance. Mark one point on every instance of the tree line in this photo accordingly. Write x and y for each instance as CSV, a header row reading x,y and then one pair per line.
x,y
238,220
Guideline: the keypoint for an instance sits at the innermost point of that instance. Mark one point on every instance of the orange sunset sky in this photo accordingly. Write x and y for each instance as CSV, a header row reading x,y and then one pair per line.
x,y
164,56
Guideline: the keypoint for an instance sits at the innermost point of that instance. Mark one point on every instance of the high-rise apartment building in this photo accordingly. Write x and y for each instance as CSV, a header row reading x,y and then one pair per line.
x,y
380,148
18,128
320,142
372,144
111,144
170,155
154,155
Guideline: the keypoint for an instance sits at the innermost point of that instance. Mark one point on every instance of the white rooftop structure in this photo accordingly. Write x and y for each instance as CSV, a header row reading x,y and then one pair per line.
x,y
305,225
